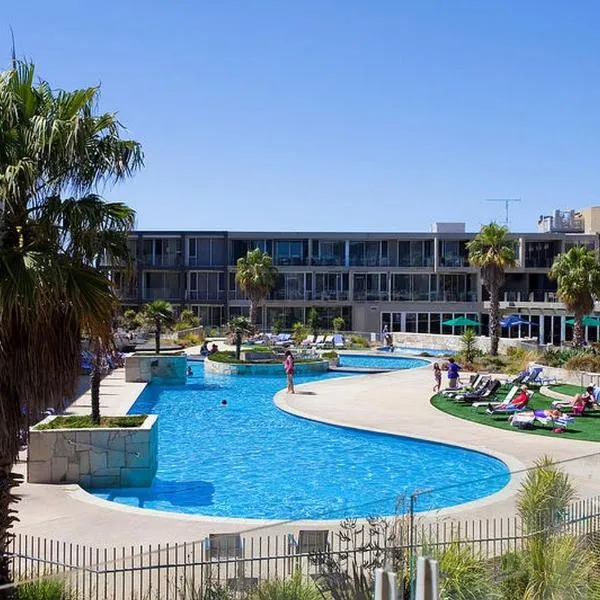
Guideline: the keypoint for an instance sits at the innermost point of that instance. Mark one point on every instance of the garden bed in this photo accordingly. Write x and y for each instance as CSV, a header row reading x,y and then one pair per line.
x,y
85,422
585,428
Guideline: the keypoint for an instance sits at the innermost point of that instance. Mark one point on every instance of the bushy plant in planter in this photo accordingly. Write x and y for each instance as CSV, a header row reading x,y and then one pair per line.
x,y
333,357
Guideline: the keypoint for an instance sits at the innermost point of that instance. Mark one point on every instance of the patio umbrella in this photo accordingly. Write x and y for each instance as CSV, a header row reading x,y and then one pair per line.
x,y
461,322
513,320
587,320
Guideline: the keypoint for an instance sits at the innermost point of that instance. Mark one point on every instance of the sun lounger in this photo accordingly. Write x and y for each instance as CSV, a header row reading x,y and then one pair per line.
x,y
338,341
509,397
479,381
308,341
283,339
507,408
326,343
487,391
319,340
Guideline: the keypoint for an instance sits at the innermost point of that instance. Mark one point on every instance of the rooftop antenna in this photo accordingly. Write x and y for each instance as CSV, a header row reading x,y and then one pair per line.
x,y
507,202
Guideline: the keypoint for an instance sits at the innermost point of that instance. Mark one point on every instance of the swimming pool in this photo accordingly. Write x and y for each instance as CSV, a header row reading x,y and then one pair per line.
x,y
380,362
413,350
249,459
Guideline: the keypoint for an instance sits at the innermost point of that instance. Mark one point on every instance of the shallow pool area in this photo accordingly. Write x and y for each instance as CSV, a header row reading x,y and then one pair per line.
x,y
249,459
374,361
416,351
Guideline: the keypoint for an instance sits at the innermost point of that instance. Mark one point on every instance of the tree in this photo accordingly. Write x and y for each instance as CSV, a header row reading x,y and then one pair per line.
x,y
577,274
492,251
159,313
256,276
56,150
239,327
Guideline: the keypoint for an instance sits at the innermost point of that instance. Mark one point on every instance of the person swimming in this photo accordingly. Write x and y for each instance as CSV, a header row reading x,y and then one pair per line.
x,y
223,402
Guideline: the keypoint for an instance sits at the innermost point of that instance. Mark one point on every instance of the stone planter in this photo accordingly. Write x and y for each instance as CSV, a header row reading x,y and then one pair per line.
x,y
212,366
334,362
163,368
94,457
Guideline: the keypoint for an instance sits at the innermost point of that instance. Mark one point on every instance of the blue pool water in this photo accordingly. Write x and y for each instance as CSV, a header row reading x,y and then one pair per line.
x,y
249,459
380,362
430,351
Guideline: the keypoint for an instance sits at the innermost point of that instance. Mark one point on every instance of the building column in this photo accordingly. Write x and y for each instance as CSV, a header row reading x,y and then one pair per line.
x,y
541,330
310,252
436,247
563,329
521,253
347,253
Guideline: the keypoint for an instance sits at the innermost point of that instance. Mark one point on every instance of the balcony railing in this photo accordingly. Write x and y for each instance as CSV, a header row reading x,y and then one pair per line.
x,y
423,262
287,295
162,260
166,293
330,296
290,261
198,261
454,262
236,295
368,261
328,261
370,296
205,295
128,293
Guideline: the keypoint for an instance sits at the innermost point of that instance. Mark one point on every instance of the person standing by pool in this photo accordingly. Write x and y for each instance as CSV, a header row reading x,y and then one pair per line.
x,y
453,370
437,375
288,365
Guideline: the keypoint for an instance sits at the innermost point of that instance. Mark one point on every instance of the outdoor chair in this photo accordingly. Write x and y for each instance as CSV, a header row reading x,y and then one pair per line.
x,y
338,341
478,382
310,543
487,391
508,408
511,394
225,557
326,343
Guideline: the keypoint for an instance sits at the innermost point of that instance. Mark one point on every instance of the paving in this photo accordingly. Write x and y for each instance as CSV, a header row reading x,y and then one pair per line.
x,y
395,402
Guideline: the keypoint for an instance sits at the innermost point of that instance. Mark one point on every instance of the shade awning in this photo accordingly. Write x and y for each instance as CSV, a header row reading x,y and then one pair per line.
x,y
461,322
588,320
513,320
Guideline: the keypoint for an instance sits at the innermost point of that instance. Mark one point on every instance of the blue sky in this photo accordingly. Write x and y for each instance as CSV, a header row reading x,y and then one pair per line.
x,y
336,115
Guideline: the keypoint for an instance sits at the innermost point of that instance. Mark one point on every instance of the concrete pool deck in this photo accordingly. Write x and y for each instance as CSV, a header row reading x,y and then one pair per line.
x,y
395,402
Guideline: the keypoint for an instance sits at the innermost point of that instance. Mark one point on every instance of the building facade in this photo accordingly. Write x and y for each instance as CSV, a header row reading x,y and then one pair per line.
x,y
406,281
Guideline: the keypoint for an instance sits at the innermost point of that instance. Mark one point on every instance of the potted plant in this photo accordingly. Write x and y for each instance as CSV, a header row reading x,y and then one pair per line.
x,y
333,357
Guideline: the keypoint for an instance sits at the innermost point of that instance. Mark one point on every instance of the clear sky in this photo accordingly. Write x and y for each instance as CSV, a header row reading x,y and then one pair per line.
x,y
336,115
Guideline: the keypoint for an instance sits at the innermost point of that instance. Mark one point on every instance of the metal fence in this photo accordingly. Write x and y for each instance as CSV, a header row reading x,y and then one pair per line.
x,y
240,562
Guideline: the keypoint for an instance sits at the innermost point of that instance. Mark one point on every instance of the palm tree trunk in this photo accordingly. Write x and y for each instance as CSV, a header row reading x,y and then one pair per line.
x,y
157,337
95,379
494,319
8,481
253,308
238,346
578,331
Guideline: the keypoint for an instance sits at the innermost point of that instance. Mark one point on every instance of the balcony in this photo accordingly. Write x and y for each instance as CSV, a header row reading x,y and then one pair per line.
x,y
165,293
424,263
287,295
164,260
205,295
290,261
370,296
369,261
330,296
328,261
453,297
454,262
236,295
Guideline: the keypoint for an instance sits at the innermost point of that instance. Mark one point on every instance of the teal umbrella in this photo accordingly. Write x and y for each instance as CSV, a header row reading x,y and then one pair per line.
x,y
587,320
461,322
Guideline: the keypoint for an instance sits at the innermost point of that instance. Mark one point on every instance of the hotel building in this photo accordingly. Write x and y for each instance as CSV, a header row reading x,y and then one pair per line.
x,y
408,281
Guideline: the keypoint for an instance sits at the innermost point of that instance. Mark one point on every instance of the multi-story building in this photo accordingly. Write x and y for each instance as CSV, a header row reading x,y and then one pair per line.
x,y
407,281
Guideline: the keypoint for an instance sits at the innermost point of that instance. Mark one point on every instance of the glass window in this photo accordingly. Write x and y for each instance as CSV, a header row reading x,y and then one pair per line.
x,y
411,322
396,321
434,323
446,329
423,323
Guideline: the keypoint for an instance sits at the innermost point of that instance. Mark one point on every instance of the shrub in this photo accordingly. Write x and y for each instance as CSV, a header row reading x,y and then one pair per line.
x,y
85,422
468,346
330,355
359,342
463,575
301,332
190,340
338,324
313,321
44,589
294,588
583,362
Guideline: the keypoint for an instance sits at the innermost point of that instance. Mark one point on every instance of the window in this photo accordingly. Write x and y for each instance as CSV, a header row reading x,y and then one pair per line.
x,y
423,323
434,322
411,322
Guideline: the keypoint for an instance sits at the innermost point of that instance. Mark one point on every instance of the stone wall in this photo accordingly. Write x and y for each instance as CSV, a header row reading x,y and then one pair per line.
x,y
212,366
452,342
582,378
160,368
94,457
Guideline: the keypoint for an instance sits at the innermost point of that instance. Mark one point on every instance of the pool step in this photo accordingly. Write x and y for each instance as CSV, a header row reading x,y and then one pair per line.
x,y
359,370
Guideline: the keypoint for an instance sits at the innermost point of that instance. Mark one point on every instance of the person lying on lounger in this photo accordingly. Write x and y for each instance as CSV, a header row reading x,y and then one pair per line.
x,y
580,402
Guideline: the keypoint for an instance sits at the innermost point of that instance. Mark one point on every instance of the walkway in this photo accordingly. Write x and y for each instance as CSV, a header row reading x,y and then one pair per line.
x,y
394,402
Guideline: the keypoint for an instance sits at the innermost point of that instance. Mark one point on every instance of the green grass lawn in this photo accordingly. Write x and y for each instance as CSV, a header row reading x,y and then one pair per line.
x,y
585,428
567,388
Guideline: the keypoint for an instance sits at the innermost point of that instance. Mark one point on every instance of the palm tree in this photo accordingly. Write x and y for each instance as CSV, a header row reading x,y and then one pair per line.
x,y
256,276
55,151
160,314
492,251
577,274
239,327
